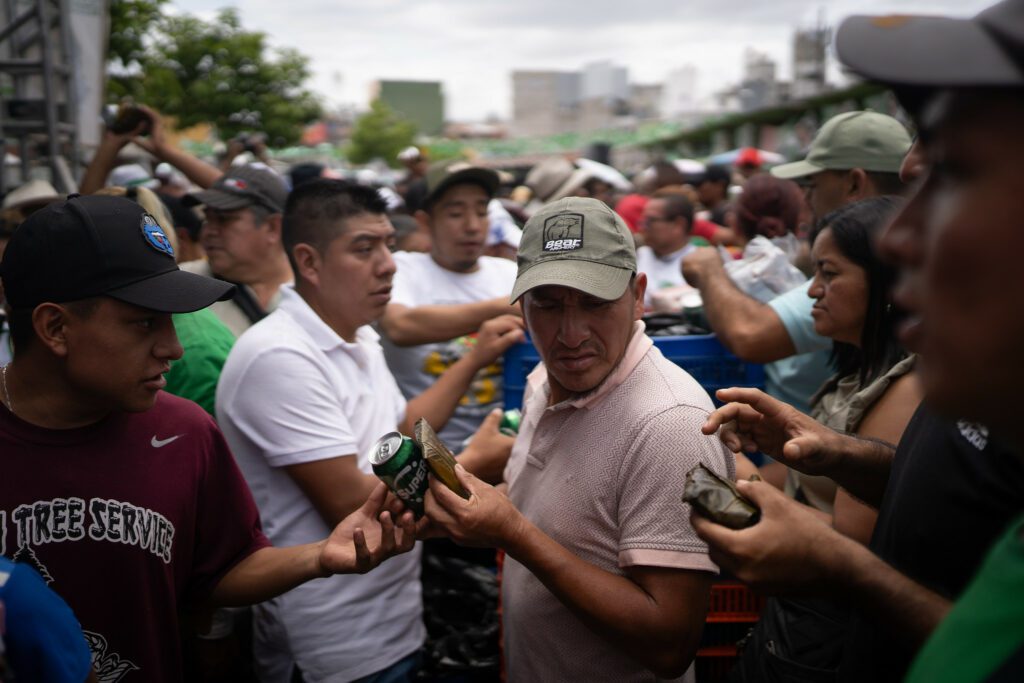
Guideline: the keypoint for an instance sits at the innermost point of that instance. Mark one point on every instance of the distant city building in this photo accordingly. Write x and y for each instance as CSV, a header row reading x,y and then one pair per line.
x,y
604,80
645,101
422,102
544,102
810,52
679,94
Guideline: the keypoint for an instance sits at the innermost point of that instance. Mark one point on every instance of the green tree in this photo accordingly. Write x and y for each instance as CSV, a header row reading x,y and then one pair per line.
x,y
217,73
380,134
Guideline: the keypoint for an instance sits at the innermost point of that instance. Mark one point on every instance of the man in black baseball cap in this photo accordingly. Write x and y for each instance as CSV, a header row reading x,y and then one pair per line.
x,y
242,239
949,526
124,497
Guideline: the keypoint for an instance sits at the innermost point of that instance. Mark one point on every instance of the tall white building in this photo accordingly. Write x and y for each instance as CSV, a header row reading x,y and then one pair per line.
x,y
604,80
679,95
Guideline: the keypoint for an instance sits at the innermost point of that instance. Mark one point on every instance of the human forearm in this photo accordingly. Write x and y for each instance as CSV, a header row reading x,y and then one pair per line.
x,y
267,573
410,326
863,467
437,403
195,169
95,177
661,637
750,329
905,609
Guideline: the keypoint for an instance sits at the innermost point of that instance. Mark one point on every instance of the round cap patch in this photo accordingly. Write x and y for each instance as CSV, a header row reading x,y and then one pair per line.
x,y
155,236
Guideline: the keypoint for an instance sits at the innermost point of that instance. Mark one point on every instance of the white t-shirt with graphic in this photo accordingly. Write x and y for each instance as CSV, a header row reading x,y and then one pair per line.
x,y
662,271
420,281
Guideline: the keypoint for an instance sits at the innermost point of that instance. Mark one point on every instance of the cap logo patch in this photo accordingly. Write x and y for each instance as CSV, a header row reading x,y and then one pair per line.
x,y
236,184
155,236
563,232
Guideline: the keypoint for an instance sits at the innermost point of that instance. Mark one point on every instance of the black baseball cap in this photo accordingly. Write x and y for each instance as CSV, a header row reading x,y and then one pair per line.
x,y
243,186
99,245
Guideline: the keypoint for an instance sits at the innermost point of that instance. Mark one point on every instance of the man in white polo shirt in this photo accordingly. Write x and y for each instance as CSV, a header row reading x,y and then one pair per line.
x,y
303,396
604,578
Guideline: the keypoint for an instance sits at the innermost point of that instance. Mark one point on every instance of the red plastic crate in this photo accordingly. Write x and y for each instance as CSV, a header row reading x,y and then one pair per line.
x,y
733,602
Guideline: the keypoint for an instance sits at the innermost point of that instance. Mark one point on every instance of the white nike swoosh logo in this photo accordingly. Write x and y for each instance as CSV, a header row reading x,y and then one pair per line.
x,y
160,443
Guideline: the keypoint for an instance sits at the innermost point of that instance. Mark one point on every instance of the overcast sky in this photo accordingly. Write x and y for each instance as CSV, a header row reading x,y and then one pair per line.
x,y
472,46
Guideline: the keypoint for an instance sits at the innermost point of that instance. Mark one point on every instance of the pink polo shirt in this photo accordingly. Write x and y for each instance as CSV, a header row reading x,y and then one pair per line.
x,y
603,475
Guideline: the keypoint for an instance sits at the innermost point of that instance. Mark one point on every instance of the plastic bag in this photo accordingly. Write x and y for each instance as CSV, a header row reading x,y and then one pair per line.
x,y
764,272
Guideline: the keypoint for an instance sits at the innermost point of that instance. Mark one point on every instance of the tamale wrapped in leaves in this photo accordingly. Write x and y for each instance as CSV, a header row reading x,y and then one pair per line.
x,y
718,499
439,458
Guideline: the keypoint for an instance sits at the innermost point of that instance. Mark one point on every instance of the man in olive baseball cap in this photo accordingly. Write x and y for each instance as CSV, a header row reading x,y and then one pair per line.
x,y
611,426
579,243
855,155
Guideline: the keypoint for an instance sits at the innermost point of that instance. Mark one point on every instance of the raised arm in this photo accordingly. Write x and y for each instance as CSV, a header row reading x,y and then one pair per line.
x,y
437,403
750,329
411,326
195,169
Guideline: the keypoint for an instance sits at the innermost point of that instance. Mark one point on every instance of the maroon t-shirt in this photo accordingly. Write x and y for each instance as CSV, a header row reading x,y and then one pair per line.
x,y
127,520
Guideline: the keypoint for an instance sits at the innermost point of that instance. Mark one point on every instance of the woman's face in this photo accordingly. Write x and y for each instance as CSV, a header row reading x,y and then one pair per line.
x,y
840,288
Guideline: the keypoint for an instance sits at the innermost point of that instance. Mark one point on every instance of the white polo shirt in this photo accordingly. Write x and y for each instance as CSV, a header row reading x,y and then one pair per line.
x,y
293,391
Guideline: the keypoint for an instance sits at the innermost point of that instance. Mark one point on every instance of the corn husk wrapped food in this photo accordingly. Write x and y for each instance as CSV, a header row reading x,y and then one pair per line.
x,y
439,458
718,499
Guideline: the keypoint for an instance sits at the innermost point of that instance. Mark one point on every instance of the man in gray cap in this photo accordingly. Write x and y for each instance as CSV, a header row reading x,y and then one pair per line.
x,y
242,240
592,525
958,242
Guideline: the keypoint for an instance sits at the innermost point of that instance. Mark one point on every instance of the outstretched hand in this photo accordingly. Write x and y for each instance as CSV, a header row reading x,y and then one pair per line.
x,y
488,451
367,537
789,550
753,421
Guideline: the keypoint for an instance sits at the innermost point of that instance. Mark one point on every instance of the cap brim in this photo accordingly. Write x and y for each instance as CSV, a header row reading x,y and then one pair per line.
x,y
925,51
484,177
215,199
175,291
597,279
796,169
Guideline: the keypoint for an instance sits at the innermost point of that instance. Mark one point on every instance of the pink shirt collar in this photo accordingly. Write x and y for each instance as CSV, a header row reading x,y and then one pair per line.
x,y
637,348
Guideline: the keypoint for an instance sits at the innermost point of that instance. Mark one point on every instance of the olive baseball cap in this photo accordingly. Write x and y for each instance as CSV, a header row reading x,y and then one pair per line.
x,y
445,174
857,139
936,52
576,242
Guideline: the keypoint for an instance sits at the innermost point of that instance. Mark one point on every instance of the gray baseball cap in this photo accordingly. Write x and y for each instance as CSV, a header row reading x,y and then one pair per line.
x,y
576,242
445,174
856,139
243,186
933,52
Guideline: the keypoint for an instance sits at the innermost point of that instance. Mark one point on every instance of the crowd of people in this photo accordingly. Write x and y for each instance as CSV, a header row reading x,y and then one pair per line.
x,y
198,360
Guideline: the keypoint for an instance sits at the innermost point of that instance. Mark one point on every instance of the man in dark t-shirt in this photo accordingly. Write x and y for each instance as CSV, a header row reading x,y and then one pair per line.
x,y
952,491
125,499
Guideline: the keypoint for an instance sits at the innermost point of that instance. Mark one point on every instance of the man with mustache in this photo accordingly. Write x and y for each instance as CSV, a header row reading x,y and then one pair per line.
x,y
304,395
603,578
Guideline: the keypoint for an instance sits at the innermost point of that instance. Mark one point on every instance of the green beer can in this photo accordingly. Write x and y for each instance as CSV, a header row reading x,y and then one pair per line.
x,y
398,461
510,422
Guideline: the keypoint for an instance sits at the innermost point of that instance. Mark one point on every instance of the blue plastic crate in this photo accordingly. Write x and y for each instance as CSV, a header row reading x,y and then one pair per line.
x,y
703,356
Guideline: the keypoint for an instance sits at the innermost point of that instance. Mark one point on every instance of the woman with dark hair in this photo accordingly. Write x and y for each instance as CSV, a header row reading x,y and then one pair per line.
x,y
874,391
873,394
